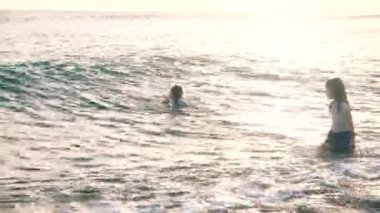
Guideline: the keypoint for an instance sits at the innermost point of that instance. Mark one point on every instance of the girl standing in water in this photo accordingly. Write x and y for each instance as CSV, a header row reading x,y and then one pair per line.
x,y
174,100
341,137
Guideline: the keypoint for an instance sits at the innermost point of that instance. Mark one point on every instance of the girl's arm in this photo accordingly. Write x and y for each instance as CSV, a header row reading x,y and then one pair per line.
x,y
184,104
351,125
166,100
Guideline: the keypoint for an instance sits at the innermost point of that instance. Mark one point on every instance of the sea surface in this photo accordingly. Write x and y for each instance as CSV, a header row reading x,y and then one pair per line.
x,y
82,127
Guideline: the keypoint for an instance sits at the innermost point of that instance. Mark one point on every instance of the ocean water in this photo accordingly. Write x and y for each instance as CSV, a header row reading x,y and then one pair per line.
x,y
82,127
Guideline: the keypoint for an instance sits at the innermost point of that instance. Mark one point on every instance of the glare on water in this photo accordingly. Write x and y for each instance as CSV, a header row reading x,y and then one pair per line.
x,y
83,129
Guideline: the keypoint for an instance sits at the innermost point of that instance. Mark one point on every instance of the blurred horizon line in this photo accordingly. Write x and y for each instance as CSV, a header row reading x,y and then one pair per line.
x,y
189,13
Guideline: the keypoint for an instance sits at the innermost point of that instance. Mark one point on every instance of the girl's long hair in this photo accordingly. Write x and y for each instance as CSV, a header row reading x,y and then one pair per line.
x,y
338,91
176,92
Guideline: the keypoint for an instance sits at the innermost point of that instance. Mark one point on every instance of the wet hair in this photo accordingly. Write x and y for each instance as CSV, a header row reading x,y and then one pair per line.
x,y
338,91
176,92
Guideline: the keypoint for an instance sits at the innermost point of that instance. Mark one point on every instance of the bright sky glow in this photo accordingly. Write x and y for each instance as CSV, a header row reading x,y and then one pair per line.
x,y
257,7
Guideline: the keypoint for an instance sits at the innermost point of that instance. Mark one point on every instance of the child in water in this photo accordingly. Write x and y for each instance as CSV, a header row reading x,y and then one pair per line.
x,y
342,134
174,100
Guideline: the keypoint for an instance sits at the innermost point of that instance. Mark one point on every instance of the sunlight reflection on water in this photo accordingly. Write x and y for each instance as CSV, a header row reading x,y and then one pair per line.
x,y
82,126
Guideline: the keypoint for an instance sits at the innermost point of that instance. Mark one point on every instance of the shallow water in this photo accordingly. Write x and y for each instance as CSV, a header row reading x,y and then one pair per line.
x,y
82,128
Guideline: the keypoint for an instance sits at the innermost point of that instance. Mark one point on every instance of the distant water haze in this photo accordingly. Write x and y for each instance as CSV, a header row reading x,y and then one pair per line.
x,y
260,8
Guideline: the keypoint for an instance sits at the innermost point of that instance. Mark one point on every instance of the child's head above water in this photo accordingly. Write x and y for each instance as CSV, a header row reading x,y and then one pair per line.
x,y
335,90
176,92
